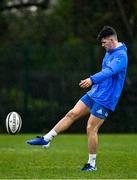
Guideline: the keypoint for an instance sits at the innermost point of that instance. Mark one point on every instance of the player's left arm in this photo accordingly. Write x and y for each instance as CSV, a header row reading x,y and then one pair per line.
x,y
85,83
115,66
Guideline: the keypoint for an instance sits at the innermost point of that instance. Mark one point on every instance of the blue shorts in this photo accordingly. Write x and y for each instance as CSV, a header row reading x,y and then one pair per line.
x,y
96,109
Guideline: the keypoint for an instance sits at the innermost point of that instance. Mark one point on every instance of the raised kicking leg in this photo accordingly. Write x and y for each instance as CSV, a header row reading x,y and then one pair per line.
x,y
80,109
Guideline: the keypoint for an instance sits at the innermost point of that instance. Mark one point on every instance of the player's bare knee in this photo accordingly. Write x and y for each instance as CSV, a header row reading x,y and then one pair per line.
x,y
72,114
91,130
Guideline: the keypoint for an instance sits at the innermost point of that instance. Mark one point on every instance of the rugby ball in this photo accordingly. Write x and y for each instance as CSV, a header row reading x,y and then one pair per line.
x,y
13,123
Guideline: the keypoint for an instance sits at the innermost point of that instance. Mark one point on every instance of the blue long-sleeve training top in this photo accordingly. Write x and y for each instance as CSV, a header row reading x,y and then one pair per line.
x,y
108,83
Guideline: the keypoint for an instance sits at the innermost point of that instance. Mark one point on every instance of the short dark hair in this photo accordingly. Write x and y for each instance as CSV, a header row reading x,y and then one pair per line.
x,y
106,32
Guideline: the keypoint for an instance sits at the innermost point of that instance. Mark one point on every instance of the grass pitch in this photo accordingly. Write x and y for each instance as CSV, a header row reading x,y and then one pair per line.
x,y
117,158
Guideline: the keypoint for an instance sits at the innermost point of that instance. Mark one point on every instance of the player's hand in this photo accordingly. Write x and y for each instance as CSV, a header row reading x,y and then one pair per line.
x,y
85,83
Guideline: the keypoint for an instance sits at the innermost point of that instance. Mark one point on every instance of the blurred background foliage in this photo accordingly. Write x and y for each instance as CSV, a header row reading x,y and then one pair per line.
x,y
48,46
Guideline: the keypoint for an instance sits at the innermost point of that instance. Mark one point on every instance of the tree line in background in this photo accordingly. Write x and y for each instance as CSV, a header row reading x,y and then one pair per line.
x,y
48,46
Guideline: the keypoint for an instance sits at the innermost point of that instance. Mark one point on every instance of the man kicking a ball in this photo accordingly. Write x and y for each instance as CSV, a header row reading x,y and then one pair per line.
x,y
106,87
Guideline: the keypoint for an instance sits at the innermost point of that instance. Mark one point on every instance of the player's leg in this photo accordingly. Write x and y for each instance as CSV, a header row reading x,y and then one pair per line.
x,y
96,119
93,126
80,109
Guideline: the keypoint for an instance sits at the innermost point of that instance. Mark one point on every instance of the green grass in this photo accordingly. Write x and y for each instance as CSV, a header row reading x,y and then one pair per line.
x,y
117,158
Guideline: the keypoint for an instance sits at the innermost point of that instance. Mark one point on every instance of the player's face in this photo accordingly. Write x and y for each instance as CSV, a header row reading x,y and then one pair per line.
x,y
107,43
